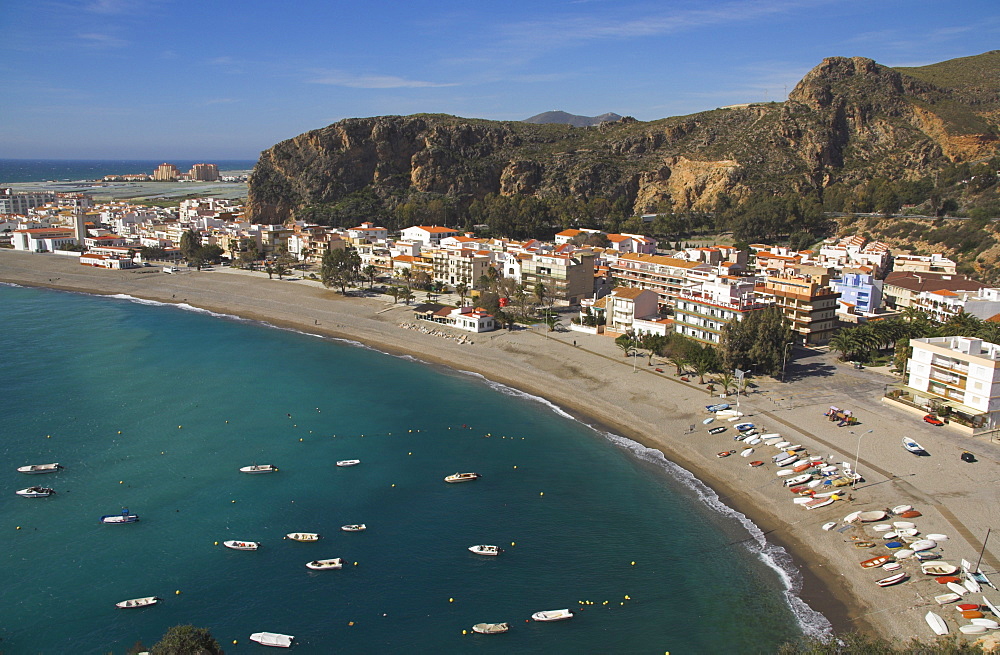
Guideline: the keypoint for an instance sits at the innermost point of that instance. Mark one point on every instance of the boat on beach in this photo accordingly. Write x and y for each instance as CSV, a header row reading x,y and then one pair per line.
x,y
462,477
552,615
944,599
877,561
349,462
302,536
241,545
872,516
325,564
35,492
124,517
35,469
893,579
354,527
490,628
717,407
725,453
138,602
936,623
484,549
259,468
272,639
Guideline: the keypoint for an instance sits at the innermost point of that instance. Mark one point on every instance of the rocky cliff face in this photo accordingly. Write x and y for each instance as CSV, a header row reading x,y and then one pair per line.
x,y
849,119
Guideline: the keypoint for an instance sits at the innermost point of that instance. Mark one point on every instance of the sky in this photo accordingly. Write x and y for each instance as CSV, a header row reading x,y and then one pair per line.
x,y
161,79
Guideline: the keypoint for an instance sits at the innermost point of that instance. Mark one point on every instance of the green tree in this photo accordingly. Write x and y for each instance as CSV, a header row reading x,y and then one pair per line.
x,y
462,289
902,355
726,380
759,339
186,640
857,643
369,273
190,242
340,268
625,343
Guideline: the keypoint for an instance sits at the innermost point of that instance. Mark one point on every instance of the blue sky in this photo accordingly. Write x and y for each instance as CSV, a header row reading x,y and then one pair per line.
x,y
162,79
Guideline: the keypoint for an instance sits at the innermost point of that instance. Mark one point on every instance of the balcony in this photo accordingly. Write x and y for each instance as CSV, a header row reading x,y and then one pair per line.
x,y
950,365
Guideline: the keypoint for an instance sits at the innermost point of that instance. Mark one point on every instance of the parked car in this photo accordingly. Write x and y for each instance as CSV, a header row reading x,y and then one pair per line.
x,y
933,420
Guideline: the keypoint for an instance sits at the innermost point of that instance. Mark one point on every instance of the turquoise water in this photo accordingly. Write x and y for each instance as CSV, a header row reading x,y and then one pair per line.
x,y
155,408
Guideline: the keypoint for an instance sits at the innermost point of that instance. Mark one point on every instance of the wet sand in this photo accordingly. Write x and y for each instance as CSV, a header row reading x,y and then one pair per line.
x,y
593,381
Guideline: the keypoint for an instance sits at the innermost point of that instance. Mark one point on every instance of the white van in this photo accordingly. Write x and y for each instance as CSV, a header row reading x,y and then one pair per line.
x,y
170,269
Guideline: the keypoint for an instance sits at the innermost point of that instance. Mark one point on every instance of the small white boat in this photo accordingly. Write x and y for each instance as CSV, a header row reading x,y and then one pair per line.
x,y
241,545
770,441
936,623
829,526
889,536
35,492
957,588
903,553
990,624
828,469
891,566
354,527
944,599
908,532
552,615
892,579
784,473
816,503
904,525
872,516
852,517
349,462
882,527
785,461
124,517
484,549
302,536
259,468
138,602
972,586
753,442
781,444
938,568
972,629
462,477
272,639
705,422
923,544
899,509
798,479
325,564
34,469
490,628
934,536
913,447
746,452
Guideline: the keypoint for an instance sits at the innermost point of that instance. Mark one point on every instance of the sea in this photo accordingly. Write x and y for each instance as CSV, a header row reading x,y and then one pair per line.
x,y
65,170
155,408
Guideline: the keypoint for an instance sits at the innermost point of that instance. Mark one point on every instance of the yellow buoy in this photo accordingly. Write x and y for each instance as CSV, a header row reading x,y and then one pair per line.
x,y
216,543
48,436
300,439
633,563
179,427
119,432
18,528
451,600
541,493
234,641
178,592
350,623
512,543
121,482
409,430
464,632
627,598
232,501
355,564
409,453
161,452
228,422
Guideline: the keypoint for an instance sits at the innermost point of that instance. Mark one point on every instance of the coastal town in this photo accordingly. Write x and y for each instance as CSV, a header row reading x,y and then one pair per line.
x,y
614,289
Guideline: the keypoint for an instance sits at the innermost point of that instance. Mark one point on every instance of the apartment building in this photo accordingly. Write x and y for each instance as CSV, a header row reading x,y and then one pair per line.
x,y
860,291
935,263
43,239
459,266
429,236
702,310
942,304
568,279
166,173
957,377
667,276
204,172
902,288
807,302
19,202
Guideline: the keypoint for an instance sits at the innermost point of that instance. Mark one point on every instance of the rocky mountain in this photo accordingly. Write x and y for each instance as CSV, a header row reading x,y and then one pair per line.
x,y
562,118
847,121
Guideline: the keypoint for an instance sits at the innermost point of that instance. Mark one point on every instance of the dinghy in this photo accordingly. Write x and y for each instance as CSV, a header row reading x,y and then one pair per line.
x,y
871,517
272,639
241,545
990,624
725,453
325,564
798,479
302,536
944,599
972,629
892,579
957,588
903,553
903,525
552,615
923,544
756,463
852,517
913,447
816,503
899,509
490,628
829,526
881,527
938,568
747,452
138,602
876,561
936,623
891,566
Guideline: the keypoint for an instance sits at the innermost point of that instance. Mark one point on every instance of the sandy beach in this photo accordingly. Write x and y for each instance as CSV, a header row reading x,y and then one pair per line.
x,y
588,376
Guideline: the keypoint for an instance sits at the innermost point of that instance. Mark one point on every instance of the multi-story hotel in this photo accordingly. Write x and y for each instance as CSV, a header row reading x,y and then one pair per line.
x,y
568,279
204,172
808,303
956,377
667,276
700,312
166,173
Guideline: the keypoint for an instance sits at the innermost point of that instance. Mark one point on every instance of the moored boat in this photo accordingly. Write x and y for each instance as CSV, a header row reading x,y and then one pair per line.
x,y
302,536
259,468
325,564
354,527
462,477
34,469
272,639
485,549
35,492
241,545
349,462
552,615
490,628
138,602
124,517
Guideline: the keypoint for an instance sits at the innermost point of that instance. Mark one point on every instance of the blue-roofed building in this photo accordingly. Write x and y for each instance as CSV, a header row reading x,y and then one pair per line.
x,y
860,290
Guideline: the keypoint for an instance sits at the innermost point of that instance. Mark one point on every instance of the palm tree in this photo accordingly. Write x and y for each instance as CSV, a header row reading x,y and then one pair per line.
x,y
702,367
961,324
989,331
726,380
679,361
626,343
370,273
462,289
844,343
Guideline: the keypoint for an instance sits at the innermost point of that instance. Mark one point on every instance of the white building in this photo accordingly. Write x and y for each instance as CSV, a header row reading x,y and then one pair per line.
x,y
956,377
429,236
43,239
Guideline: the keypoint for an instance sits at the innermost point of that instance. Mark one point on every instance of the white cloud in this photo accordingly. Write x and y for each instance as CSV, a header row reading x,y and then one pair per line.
x,y
339,78
102,40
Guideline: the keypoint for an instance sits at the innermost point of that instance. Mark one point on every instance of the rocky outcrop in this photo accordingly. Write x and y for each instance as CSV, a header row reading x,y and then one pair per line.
x,y
847,120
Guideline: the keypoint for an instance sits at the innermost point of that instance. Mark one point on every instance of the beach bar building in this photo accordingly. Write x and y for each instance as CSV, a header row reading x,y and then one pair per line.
x,y
957,378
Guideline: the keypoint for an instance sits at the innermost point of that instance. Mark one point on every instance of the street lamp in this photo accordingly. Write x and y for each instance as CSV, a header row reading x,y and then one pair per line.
x,y
857,456
784,358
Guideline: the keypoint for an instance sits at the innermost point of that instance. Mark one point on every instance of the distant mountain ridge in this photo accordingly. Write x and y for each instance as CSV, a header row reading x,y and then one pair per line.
x,y
847,122
562,118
